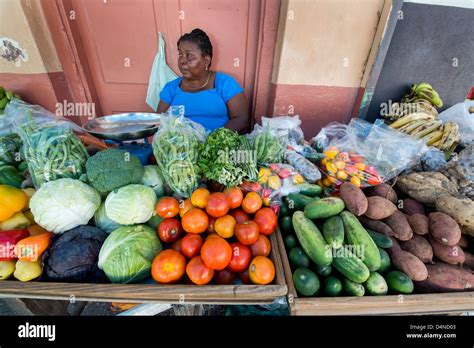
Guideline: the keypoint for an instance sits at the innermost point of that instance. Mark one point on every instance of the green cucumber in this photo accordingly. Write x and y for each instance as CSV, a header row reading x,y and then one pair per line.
x,y
284,210
290,241
352,289
356,235
323,271
311,239
332,286
385,261
298,258
333,231
399,283
297,201
350,265
380,239
310,190
376,285
306,281
324,208
286,226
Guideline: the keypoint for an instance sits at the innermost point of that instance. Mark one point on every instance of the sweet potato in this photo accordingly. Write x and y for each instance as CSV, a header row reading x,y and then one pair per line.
x,y
382,190
469,260
379,208
464,242
420,224
376,225
419,247
446,278
444,229
460,209
451,254
406,262
399,225
353,198
410,207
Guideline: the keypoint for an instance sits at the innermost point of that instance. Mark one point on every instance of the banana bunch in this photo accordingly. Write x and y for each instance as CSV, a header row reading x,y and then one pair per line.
x,y
398,110
423,91
6,97
427,127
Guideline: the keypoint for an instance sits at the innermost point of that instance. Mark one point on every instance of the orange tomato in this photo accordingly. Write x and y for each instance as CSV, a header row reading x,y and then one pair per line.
x,y
267,220
198,272
216,253
235,197
168,267
225,226
212,235
239,215
217,204
184,207
261,247
199,197
261,270
247,232
190,245
195,221
252,202
167,207
241,256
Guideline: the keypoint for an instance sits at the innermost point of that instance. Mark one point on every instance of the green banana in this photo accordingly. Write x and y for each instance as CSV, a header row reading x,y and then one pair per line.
x,y
421,87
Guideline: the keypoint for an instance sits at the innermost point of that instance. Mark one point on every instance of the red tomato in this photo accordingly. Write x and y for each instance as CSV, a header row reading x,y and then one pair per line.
x,y
211,226
245,277
266,220
261,247
169,230
239,215
246,232
195,221
198,272
241,256
224,277
191,245
167,207
217,204
168,266
216,253
177,246
235,197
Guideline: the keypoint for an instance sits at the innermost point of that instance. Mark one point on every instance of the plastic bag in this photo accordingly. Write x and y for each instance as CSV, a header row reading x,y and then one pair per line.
x,y
176,146
433,160
50,147
160,75
365,154
268,146
460,170
285,127
459,113
10,145
308,170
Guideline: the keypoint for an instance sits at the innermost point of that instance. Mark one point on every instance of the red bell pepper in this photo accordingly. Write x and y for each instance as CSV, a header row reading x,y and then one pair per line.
x,y
8,241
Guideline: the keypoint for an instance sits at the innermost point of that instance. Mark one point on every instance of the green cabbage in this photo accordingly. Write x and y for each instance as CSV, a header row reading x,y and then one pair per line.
x,y
64,204
127,253
153,178
102,221
131,204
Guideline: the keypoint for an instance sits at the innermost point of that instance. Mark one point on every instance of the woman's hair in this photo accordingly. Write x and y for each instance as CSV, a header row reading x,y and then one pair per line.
x,y
200,38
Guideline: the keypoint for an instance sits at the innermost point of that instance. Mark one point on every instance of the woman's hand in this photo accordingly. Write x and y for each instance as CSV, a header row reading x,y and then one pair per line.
x,y
238,113
162,107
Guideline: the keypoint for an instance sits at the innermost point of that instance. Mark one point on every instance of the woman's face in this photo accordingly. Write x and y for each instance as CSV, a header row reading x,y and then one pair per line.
x,y
191,63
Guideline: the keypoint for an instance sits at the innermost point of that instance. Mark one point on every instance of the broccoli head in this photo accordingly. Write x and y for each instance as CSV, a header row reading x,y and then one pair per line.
x,y
113,168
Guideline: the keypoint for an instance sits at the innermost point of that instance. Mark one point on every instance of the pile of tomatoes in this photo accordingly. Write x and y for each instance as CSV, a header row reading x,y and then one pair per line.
x,y
219,236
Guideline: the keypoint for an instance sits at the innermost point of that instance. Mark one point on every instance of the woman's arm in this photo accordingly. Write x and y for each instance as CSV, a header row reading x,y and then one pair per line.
x,y
162,107
238,113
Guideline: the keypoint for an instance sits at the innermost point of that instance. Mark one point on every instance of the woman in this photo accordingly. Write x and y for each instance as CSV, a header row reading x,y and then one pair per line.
x,y
210,98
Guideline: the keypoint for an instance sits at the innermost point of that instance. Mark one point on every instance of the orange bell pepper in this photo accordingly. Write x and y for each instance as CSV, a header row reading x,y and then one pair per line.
x,y
31,248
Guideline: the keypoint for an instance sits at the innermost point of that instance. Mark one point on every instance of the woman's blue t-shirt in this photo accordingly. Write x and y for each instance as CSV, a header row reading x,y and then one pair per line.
x,y
206,107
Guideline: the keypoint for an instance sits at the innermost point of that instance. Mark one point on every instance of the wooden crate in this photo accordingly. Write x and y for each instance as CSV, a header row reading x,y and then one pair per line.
x,y
154,293
371,305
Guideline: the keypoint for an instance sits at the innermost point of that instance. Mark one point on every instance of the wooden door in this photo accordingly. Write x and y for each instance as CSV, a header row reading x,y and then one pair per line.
x,y
120,40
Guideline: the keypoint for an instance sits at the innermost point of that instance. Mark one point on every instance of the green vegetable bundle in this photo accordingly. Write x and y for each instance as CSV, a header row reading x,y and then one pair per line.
x,y
269,148
227,158
52,152
176,146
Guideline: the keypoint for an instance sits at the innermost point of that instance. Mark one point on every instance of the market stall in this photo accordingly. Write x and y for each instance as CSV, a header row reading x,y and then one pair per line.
x,y
363,219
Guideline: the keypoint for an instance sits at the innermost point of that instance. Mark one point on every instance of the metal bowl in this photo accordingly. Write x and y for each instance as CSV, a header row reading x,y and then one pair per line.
x,y
122,127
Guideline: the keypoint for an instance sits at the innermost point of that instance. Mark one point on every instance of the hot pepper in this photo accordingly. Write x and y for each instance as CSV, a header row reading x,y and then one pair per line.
x,y
31,248
8,241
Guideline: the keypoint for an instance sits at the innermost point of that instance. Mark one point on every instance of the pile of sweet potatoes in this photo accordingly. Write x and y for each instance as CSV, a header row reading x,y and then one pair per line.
x,y
428,245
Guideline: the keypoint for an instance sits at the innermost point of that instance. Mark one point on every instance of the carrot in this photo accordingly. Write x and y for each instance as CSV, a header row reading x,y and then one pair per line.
x,y
31,248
